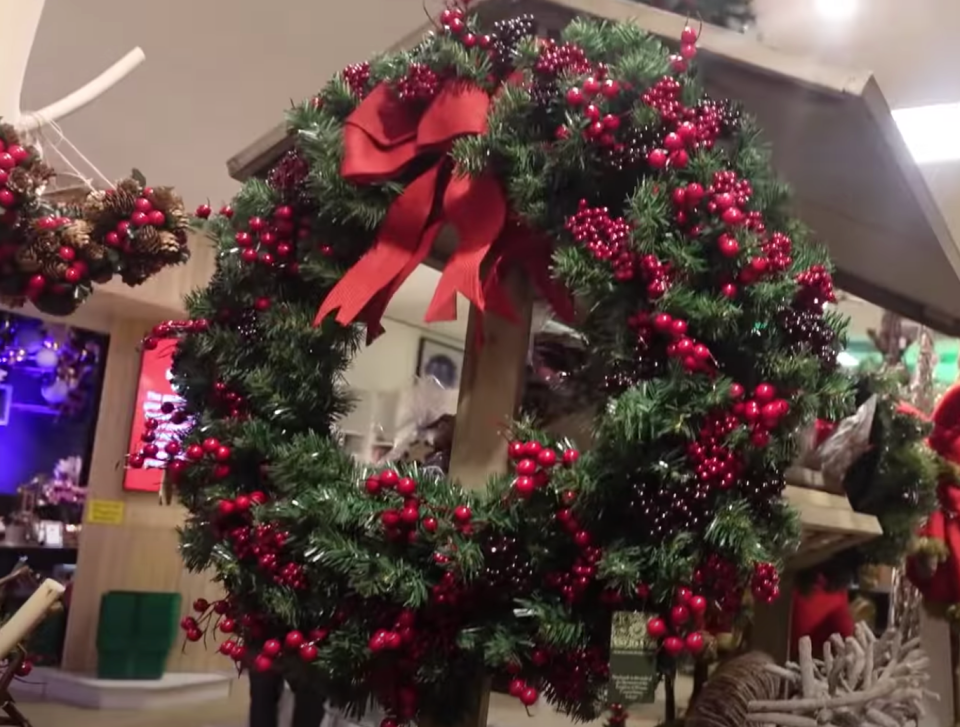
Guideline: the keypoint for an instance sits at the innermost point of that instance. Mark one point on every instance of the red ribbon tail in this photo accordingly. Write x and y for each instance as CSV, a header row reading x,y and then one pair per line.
x,y
477,210
388,263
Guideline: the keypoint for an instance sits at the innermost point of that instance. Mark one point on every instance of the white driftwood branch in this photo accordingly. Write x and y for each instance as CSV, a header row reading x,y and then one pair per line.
x,y
31,121
861,681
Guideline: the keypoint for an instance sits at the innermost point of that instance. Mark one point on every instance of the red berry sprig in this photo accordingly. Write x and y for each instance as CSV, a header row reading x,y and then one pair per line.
x,y
420,84
532,462
606,238
566,58
816,288
765,583
357,78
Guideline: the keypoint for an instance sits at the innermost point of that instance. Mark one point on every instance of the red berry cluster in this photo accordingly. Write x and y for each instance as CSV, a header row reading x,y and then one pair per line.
x,y
264,542
173,329
561,58
685,621
357,78
420,84
693,355
11,157
228,401
816,288
605,237
680,62
716,465
778,249
726,197
271,242
533,462
524,692
151,428
401,524
453,20
719,579
762,413
592,98
392,639
765,583
573,583
573,675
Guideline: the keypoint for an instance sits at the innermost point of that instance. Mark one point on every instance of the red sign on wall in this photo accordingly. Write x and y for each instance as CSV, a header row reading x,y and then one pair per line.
x,y
153,390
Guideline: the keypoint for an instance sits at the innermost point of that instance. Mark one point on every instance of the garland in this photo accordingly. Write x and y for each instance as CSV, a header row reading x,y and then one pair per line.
x,y
52,254
596,165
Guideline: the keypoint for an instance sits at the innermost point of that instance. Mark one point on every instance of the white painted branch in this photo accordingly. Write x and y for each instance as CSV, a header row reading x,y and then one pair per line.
x,y
32,121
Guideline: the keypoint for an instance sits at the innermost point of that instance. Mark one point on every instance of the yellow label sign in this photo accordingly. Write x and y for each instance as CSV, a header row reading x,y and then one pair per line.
x,y
105,512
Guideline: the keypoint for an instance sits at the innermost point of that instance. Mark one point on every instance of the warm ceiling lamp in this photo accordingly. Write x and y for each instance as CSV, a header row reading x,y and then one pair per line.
x,y
836,9
930,132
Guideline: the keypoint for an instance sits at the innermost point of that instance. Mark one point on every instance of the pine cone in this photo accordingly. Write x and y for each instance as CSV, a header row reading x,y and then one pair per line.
x,y
53,268
77,236
146,242
28,259
120,202
129,186
45,243
170,248
20,181
94,206
9,134
135,272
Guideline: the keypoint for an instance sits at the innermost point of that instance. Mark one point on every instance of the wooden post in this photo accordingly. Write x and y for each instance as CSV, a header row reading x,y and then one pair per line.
x,y
490,389
770,631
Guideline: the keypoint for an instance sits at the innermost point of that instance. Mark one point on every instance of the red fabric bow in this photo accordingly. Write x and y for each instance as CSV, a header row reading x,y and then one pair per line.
x,y
381,138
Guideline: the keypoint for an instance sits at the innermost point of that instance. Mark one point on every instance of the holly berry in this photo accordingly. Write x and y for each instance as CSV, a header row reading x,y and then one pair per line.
x,y
462,514
262,663
529,696
656,628
694,642
697,605
308,652
203,211
673,645
293,640
271,647
570,457
679,615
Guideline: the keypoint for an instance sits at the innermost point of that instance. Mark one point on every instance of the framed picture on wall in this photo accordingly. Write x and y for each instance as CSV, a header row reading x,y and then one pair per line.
x,y
441,362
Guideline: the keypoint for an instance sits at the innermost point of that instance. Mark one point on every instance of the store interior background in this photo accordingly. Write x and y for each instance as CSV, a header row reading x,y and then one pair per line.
x,y
218,76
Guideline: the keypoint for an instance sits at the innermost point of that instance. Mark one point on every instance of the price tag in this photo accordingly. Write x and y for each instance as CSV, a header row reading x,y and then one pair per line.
x,y
633,660
105,512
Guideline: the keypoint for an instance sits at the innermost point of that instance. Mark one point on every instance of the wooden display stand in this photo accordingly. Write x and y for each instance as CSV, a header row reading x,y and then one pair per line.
x,y
846,148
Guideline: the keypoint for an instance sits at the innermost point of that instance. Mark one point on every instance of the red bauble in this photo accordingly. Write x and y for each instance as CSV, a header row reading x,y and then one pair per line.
x,y
547,458
262,663
574,96
524,486
293,640
728,246
529,696
673,645
526,467
764,393
657,158
656,628
694,642
697,605
679,615
462,513
389,478
308,652
570,457
406,486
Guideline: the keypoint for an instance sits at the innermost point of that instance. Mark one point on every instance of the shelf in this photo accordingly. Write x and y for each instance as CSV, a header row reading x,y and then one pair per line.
x,y
829,524
833,138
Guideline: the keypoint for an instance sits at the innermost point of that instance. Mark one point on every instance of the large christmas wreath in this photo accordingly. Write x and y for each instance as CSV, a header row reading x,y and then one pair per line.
x,y
596,158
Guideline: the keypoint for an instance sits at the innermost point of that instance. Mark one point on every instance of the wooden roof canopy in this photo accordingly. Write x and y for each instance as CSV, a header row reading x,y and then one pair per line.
x,y
833,138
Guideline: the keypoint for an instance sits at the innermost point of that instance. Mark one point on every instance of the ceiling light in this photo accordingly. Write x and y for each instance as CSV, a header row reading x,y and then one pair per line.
x,y
847,360
930,132
836,9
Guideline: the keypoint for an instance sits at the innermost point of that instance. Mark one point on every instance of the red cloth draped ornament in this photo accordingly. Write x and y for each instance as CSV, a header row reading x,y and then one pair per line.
x,y
385,136
819,614
935,568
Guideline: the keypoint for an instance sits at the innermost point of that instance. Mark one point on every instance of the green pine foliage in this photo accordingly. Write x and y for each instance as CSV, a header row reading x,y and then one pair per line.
x,y
896,480
406,598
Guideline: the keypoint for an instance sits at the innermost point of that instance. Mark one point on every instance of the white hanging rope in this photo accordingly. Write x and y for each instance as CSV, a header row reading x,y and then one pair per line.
x,y
40,128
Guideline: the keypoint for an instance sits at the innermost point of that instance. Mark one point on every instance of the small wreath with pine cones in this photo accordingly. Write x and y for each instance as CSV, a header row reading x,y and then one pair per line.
x,y
52,253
